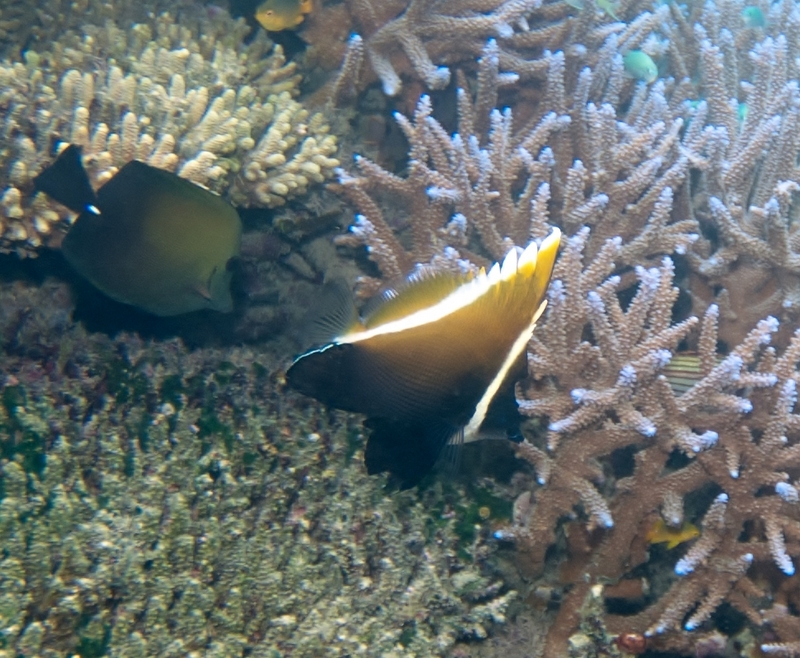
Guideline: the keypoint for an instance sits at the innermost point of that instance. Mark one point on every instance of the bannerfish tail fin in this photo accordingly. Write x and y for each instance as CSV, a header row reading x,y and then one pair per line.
x,y
333,314
407,449
67,182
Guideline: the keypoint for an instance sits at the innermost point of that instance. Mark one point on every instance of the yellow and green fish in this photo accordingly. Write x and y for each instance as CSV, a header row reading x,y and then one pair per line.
x,y
277,15
147,237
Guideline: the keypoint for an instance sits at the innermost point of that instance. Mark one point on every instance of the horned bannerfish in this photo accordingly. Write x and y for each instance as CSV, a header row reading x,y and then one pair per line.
x,y
147,237
436,362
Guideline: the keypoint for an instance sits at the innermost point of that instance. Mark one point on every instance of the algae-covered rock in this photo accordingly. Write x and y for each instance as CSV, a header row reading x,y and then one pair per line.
x,y
157,502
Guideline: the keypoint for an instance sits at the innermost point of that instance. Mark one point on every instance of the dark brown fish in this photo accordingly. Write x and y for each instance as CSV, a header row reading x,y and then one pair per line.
x,y
148,237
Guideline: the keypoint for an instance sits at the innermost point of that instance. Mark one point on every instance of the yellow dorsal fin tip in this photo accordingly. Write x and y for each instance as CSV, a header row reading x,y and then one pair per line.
x,y
551,241
509,267
494,274
528,257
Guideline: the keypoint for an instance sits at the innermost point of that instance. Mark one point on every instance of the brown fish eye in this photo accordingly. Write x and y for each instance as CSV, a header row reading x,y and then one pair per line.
x,y
269,12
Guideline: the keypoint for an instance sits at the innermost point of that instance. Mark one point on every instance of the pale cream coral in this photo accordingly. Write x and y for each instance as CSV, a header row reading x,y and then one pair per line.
x,y
205,107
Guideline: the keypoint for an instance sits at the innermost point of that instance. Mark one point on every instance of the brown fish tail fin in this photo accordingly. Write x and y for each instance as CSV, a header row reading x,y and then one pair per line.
x,y
67,182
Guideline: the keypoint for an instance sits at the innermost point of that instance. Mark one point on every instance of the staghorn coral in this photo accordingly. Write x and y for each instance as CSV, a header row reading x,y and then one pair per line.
x,y
604,397
159,502
215,111
419,41
408,35
634,172
496,183
748,192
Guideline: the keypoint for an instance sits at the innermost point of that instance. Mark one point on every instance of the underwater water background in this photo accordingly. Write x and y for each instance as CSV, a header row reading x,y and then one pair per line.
x,y
164,492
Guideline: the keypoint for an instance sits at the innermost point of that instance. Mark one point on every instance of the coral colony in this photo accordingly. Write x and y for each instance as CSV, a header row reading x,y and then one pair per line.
x,y
200,103
157,501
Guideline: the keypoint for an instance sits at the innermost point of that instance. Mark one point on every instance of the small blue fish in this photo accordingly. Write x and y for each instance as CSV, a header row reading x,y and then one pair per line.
x,y
753,16
610,7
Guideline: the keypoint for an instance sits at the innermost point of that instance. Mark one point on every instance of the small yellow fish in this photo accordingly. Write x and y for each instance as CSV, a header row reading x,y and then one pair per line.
x,y
684,370
661,533
277,15
638,64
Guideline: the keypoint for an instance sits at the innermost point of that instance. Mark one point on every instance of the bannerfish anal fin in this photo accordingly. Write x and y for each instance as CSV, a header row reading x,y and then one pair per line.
x,y
67,182
332,314
406,449
503,413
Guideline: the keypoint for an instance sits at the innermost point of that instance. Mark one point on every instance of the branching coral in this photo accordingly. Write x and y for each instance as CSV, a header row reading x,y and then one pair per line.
x,y
422,40
749,190
635,172
215,111
419,37
493,184
735,428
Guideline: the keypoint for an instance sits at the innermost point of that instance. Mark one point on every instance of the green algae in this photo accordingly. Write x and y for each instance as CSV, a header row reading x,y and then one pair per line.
x,y
22,435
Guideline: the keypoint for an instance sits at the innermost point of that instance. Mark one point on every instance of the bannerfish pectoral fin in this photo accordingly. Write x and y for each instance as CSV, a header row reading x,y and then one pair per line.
x,y
332,314
452,453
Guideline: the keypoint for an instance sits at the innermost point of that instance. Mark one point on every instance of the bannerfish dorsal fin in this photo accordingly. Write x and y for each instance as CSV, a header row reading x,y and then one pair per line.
x,y
422,289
